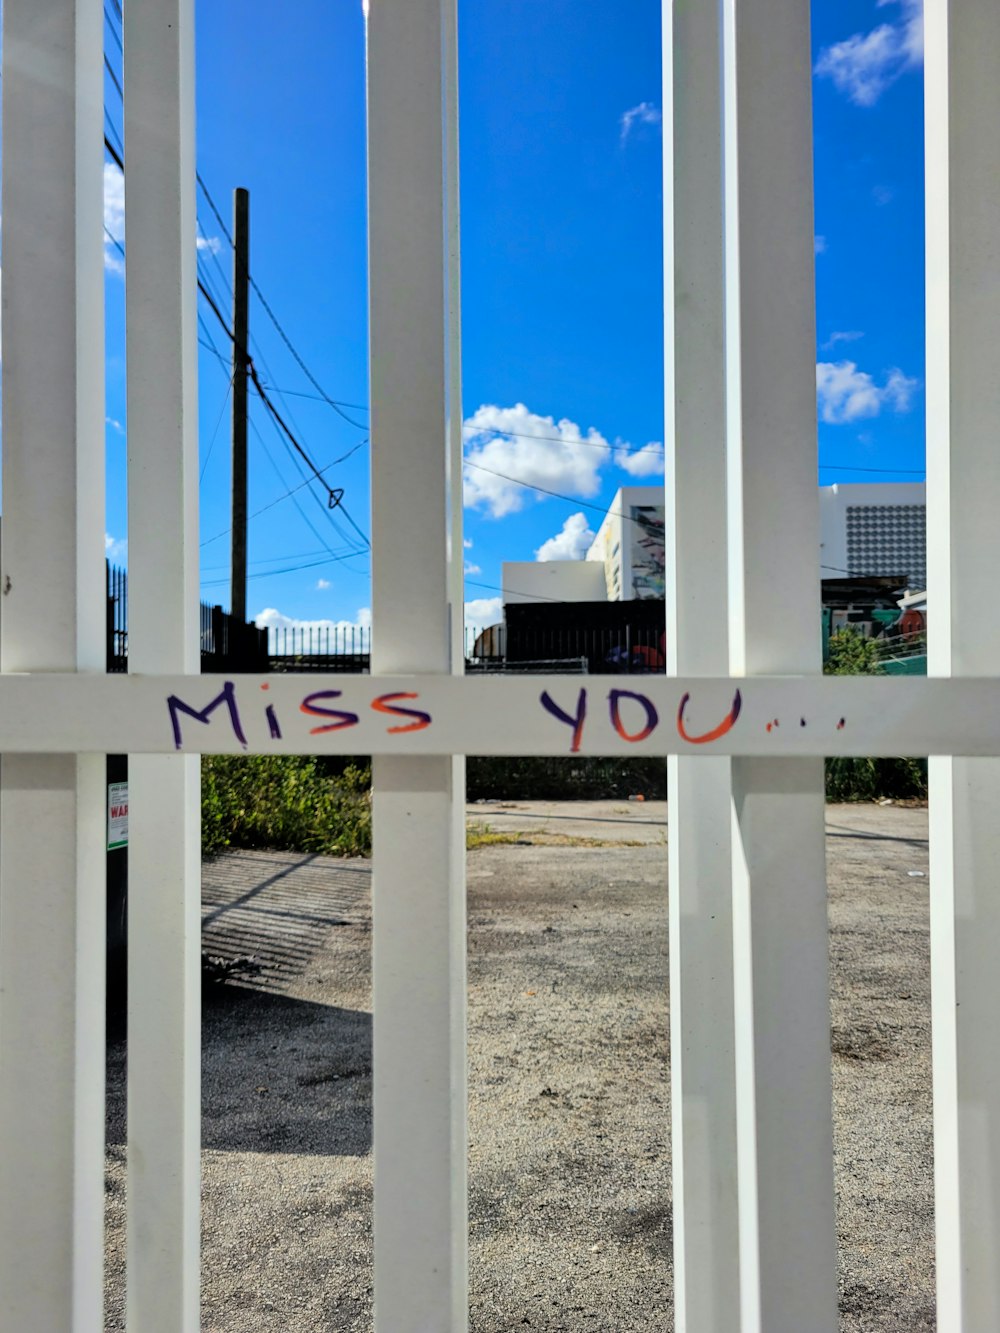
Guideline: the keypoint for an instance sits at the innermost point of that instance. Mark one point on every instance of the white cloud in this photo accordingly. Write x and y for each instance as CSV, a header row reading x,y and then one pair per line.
x,y
322,585
115,425
846,336
538,451
211,244
115,548
646,113
865,64
510,450
644,462
114,216
483,612
846,394
473,569
819,245
467,543
572,543
899,390
882,194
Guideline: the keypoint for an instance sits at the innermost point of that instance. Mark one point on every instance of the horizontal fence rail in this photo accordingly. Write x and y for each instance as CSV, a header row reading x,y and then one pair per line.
x,y
551,715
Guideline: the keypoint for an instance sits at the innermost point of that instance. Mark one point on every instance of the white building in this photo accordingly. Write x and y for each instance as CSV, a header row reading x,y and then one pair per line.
x,y
865,530
878,528
629,544
552,580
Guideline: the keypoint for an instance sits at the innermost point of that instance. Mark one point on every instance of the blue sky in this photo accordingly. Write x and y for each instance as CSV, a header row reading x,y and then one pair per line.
x,y
562,268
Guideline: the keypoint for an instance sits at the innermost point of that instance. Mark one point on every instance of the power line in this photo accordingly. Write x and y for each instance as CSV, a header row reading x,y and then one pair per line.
x,y
544,490
268,560
305,517
112,29
302,365
114,78
215,432
333,402
208,343
287,494
116,157
352,550
498,433
111,129
291,569
339,404
535,596
880,471
334,496
114,241
213,207
210,250
318,398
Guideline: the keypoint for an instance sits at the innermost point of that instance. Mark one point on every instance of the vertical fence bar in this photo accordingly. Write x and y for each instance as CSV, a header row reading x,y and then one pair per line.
x,y
54,619
164,849
703,1070
962,76
453,345
419,908
787,1232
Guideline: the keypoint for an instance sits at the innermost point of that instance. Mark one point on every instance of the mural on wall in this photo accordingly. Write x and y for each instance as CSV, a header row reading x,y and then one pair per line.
x,y
648,558
611,549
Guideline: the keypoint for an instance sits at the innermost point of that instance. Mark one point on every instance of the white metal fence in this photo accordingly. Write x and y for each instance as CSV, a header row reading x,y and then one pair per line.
x,y
753,1189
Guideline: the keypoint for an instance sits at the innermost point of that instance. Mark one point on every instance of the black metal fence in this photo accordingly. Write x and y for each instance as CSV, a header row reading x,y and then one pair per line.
x,y
117,633
320,648
528,643
621,650
569,651
226,644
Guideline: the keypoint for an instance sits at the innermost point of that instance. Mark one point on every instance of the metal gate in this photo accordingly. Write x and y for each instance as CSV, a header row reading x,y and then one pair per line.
x,y
742,712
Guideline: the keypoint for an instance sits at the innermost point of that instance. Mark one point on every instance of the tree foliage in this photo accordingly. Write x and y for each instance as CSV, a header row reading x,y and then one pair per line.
x,y
863,779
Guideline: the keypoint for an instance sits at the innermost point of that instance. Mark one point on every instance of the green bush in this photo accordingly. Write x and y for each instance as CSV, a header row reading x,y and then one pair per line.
x,y
287,802
851,779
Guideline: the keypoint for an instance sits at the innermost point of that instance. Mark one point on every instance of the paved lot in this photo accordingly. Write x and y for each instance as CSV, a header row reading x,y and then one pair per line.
x,y
568,1079
630,822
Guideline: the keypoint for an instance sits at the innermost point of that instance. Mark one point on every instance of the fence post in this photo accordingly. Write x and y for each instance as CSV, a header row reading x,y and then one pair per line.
x,y
52,946
164,1087
702,1059
419,938
788,1248
962,109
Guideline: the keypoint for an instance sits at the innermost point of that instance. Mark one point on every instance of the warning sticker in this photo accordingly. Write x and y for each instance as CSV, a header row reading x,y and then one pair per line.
x,y
117,815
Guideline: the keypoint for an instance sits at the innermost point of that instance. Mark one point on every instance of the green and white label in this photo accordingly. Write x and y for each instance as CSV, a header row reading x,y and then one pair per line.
x,y
117,815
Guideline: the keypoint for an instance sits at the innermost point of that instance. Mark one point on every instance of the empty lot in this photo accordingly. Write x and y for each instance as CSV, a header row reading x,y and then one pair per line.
x,y
570,1220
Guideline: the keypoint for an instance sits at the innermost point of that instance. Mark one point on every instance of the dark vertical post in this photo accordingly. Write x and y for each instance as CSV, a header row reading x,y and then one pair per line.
x,y
241,302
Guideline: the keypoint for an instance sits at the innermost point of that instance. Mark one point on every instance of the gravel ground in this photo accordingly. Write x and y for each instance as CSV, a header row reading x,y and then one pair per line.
x,y
568,1080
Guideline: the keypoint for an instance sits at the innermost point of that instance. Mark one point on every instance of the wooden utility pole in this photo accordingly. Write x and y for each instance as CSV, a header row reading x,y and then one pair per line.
x,y
241,304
